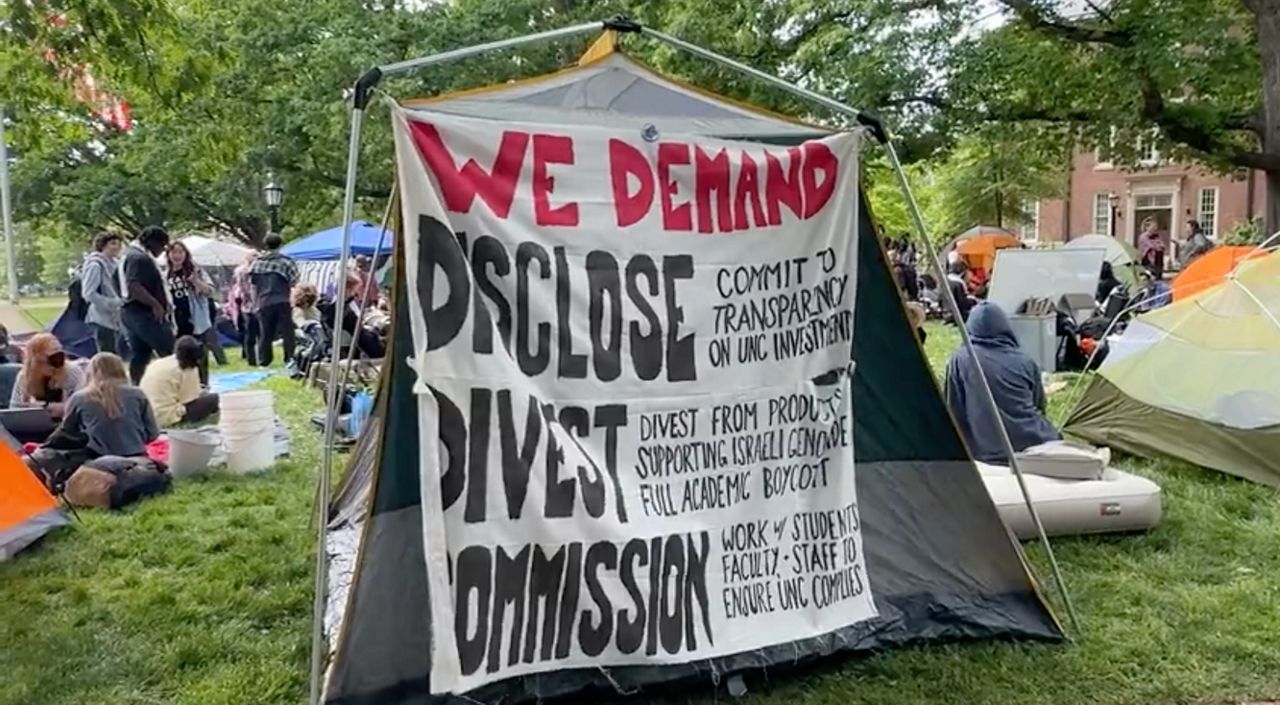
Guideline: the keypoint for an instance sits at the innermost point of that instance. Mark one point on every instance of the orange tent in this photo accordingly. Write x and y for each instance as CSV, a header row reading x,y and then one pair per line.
x,y
1210,269
27,510
980,251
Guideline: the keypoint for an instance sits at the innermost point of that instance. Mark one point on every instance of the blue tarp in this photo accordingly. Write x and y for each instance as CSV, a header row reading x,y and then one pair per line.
x,y
327,244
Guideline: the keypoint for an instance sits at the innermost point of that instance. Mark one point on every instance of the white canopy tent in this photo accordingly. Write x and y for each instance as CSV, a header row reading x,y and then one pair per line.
x,y
208,252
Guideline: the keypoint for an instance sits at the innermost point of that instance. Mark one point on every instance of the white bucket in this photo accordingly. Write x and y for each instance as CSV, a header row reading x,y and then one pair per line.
x,y
248,418
236,402
250,452
190,452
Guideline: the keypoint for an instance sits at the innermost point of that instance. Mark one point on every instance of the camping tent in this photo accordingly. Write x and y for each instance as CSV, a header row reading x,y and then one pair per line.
x,y
978,245
941,564
1198,380
1210,269
27,510
326,245
1120,254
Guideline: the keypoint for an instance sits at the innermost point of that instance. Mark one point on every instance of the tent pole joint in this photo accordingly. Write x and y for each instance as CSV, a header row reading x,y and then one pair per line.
x,y
622,23
874,124
364,87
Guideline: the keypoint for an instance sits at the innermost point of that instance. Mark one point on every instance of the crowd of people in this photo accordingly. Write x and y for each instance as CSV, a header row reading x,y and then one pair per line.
x,y
155,326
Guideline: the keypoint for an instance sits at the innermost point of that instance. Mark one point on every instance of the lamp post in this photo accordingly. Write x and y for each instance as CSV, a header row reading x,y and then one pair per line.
x,y
1114,199
273,194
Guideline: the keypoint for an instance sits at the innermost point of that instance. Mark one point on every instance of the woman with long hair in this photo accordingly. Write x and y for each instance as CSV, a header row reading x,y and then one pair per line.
x,y
192,292
108,417
46,378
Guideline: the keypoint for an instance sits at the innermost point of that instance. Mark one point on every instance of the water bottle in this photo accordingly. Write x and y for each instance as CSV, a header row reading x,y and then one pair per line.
x,y
361,408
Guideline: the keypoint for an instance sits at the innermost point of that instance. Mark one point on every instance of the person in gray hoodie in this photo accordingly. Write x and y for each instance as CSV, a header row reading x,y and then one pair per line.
x,y
1015,383
100,285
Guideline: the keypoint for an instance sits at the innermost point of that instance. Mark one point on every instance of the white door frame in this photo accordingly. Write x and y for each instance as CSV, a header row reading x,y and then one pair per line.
x,y
1172,187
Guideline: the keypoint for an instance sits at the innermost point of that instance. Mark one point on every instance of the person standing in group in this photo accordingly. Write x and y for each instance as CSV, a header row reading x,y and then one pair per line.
x,y
244,310
192,291
100,286
1151,248
273,275
146,308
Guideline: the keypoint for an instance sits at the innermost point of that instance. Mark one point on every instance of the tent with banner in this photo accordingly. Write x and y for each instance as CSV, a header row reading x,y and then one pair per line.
x,y
939,564
1198,380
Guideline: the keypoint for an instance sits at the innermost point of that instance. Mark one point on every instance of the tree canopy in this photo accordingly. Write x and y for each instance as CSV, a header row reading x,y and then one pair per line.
x,y
222,92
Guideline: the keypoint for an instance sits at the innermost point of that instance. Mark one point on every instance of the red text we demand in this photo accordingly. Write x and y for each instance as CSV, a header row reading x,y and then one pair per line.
x,y
692,187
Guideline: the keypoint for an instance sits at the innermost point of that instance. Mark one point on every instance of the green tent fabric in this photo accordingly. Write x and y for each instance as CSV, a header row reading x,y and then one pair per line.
x,y
1197,381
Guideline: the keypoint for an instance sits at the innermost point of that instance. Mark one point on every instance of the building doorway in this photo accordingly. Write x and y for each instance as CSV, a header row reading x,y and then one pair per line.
x,y
1158,206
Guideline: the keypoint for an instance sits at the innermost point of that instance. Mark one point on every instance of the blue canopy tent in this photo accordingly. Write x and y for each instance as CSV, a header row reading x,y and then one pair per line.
x,y
366,239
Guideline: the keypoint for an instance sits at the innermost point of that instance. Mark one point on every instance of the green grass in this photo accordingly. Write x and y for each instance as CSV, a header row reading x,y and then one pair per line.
x,y
203,596
43,311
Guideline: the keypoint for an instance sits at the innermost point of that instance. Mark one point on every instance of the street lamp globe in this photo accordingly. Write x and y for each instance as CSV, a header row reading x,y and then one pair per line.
x,y
273,192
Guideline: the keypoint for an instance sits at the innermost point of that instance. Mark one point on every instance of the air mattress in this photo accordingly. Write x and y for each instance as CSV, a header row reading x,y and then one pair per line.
x,y
1118,502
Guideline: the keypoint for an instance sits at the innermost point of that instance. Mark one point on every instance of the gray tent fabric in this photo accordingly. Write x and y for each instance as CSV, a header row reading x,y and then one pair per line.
x,y
1015,382
619,91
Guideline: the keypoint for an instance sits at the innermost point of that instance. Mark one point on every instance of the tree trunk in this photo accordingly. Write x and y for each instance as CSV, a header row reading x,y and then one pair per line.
x,y
1268,24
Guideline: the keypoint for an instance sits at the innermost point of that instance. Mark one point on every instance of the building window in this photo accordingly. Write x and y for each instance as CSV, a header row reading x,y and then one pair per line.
x,y
1148,151
1102,214
1208,213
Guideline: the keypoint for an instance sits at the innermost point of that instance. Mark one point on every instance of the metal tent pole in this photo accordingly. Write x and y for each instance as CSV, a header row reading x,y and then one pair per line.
x,y
320,603
918,220
877,129
475,50
360,100
6,205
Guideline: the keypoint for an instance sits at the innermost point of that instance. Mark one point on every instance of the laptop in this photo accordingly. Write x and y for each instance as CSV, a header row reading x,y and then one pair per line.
x,y
28,425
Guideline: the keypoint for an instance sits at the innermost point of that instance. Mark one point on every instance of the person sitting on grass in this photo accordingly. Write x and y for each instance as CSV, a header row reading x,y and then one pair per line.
x,y
108,417
45,379
305,298
172,384
1015,384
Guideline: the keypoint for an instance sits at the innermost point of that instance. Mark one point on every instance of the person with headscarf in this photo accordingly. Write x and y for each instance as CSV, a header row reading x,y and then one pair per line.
x,y
1015,384
1107,283
1151,248
46,379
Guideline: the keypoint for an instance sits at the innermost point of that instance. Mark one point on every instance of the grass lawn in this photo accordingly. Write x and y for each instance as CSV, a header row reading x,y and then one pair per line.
x,y
42,311
203,596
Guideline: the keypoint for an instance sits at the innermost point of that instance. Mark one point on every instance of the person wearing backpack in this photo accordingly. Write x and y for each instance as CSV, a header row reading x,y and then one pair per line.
x,y
99,286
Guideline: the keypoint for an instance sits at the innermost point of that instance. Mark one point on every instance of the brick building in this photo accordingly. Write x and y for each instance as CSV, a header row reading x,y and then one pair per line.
x,y
1106,199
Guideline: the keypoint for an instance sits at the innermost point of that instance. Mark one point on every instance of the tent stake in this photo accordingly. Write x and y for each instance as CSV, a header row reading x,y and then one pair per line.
x,y
954,308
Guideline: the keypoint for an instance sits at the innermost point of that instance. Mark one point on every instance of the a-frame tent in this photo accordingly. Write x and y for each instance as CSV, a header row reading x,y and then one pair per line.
x,y
27,510
942,565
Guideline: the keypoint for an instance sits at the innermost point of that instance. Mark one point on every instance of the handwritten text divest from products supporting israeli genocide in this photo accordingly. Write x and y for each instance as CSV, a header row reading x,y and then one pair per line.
x,y
633,356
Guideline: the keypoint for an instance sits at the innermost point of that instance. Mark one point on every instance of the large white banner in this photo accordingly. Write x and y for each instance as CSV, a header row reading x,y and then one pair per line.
x,y
633,354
